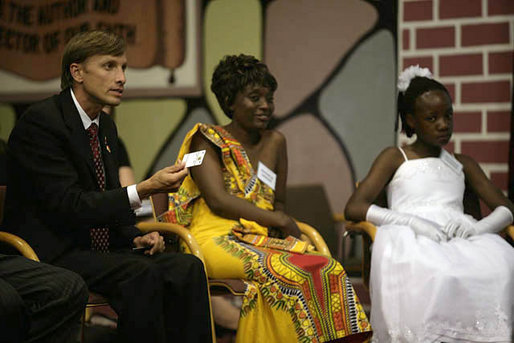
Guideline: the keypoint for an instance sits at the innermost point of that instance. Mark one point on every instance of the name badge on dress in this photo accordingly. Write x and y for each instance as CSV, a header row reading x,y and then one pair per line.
x,y
266,175
451,161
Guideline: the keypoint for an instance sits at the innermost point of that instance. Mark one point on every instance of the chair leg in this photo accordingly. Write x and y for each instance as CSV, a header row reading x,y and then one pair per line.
x,y
366,259
341,240
82,327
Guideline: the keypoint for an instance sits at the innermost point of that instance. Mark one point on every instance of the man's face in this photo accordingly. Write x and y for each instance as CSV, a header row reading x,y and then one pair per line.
x,y
101,79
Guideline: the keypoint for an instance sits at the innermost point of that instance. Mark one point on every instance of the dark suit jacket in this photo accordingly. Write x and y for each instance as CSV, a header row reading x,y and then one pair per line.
x,y
53,197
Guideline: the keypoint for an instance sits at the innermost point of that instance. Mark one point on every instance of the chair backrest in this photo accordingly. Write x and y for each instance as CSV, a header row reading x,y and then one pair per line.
x,y
471,203
309,204
159,204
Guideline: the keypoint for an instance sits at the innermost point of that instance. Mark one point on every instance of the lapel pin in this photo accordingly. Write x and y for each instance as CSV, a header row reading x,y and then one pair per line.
x,y
107,145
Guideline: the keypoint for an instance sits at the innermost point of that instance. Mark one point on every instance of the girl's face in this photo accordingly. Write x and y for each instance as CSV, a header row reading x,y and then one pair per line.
x,y
433,118
253,107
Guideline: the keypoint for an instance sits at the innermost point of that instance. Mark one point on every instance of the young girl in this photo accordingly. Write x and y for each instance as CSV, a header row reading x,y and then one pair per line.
x,y
437,274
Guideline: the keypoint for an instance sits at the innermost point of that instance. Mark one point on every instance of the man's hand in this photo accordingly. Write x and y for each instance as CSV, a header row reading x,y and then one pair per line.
x,y
152,240
170,178
165,180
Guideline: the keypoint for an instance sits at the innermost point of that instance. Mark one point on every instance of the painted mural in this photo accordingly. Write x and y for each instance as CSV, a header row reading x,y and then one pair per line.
x,y
33,34
335,62
335,65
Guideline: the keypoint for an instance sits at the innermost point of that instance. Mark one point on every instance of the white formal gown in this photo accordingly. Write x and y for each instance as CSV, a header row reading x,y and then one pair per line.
x,y
422,291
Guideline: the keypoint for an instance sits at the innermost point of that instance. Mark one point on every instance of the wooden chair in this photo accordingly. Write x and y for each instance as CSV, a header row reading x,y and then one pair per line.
x,y
368,231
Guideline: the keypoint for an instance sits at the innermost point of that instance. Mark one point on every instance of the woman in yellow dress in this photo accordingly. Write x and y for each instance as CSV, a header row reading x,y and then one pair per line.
x,y
233,204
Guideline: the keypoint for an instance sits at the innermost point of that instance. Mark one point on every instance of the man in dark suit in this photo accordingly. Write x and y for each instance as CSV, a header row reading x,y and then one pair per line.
x,y
39,302
65,199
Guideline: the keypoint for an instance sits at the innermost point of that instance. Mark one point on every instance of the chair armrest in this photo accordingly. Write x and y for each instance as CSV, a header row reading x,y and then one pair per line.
x,y
362,227
368,232
508,232
20,244
371,230
315,238
338,218
167,228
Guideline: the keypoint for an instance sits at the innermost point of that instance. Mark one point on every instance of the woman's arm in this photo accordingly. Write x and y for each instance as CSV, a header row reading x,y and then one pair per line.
x,y
378,177
280,188
209,179
279,141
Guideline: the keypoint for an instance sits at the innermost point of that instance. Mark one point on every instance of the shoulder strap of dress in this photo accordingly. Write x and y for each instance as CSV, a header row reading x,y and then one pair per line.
x,y
215,134
403,153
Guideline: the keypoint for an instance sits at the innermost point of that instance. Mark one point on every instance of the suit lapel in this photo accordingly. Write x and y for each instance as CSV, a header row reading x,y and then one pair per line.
x,y
78,135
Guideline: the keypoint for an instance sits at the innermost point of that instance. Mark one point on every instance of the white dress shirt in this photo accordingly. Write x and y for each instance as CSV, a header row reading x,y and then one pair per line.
x,y
134,200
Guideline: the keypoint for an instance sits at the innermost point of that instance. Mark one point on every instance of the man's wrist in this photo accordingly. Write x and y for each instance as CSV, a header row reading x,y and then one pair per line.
x,y
144,189
133,196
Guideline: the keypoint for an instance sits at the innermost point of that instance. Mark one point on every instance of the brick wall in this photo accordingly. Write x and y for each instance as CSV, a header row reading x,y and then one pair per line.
x,y
469,46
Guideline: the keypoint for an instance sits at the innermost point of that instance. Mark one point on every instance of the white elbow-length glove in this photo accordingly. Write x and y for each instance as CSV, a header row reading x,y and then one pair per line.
x,y
382,216
494,222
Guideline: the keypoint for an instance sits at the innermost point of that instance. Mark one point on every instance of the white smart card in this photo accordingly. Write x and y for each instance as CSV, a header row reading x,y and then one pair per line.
x,y
193,158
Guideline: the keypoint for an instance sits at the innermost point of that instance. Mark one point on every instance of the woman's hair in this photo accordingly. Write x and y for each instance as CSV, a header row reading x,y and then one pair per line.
x,y
234,73
407,100
86,44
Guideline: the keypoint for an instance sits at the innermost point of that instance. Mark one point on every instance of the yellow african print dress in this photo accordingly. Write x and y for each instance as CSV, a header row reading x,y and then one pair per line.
x,y
292,295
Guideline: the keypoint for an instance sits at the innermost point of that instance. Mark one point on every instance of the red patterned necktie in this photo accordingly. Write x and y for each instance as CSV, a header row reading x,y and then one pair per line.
x,y
99,236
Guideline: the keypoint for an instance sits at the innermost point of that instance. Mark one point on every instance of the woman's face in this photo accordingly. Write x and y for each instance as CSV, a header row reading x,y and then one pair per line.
x,y
253,107
433,118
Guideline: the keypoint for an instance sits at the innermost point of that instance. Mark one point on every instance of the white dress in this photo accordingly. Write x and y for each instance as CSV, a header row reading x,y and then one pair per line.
x,y
422,291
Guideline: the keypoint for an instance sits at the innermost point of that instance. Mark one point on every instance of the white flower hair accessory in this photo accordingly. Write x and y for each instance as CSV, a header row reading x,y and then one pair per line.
x,y
408,74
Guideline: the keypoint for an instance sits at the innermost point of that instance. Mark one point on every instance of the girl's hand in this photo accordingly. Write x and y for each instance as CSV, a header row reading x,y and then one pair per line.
x,y
494,222
458,228
428,229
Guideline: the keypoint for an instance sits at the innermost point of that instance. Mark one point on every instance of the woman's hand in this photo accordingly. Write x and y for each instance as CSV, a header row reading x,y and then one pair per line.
x,y
288,227
153,241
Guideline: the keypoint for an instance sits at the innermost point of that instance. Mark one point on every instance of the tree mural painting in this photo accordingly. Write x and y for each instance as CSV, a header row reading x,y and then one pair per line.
x,y
335,62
